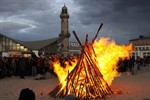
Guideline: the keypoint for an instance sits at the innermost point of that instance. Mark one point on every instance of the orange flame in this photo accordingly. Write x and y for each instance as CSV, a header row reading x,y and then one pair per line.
x,y
62,71
108,54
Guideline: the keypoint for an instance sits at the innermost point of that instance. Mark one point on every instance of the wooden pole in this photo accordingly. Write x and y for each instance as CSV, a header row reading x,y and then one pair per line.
x,y
97,33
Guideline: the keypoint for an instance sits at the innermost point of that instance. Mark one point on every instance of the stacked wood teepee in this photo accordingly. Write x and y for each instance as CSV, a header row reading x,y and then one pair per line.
x,y
85,80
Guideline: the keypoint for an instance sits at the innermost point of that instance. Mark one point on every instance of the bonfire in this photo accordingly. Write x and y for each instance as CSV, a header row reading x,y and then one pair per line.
x,y
91,75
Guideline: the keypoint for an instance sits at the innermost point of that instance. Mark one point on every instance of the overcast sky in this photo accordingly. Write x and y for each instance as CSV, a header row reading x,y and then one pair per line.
x,y
40,19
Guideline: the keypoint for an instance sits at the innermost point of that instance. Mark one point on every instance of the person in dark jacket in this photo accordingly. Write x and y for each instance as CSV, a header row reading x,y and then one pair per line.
x,y
2,68
22,67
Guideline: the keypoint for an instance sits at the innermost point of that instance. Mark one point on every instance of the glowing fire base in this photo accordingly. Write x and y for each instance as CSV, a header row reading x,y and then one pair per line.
x,y
84,81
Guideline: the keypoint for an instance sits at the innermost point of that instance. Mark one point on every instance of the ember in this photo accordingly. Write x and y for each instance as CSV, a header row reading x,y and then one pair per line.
x,y
92,73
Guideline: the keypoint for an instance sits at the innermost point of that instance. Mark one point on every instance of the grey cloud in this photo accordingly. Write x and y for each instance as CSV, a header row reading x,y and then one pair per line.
x,y
132,5
108,9
123,19
39,13
12,26
14,6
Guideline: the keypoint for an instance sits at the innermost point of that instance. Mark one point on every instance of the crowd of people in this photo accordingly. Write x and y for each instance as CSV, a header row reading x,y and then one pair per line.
x,y
31,66
132,63
21,66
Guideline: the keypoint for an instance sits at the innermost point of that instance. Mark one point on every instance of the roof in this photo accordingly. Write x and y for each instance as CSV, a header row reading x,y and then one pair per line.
x,y
64,7
15,40
141,37
36,45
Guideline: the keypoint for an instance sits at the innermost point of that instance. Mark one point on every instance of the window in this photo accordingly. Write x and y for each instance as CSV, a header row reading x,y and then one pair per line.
x,y
25,49
147,48
11,44
18,46
4,42
22,48
135,48
133,54
0,43
0,47
7,41
14,46
143,48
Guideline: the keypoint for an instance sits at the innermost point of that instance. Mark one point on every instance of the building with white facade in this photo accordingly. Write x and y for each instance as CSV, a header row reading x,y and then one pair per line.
x,y
74,48
141,46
